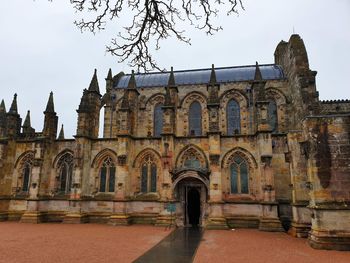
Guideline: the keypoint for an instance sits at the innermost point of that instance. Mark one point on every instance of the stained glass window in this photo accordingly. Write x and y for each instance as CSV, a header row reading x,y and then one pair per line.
x,y
195,119
144,178
239,176
148,175
234,177
26,177
233,118
65,168
272,115
158,120
103,175
111,184
244,178
153,178
107,176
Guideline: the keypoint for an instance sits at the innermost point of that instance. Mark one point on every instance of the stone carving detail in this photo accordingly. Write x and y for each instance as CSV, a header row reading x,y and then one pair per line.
x,y
214,159
191,154
122,160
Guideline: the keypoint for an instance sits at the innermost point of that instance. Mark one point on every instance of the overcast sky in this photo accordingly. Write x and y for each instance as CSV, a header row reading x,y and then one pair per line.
x,y
42,51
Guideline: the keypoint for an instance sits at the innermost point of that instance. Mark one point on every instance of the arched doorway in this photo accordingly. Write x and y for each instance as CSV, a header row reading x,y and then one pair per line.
x,y
190,191
193,208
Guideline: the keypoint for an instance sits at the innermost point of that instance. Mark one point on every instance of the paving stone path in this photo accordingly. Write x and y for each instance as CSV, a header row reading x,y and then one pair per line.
x,y
179,246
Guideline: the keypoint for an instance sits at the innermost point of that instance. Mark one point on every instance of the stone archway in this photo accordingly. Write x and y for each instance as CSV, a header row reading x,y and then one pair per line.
x,y
191,193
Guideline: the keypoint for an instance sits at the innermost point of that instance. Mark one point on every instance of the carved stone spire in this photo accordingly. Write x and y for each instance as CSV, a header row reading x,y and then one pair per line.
x,y
212,80
132,81
257,76
171,84
109,81
94,83
50,119
27,127
50,107
61,135
109,75
26,123
13,108
171,81
2,107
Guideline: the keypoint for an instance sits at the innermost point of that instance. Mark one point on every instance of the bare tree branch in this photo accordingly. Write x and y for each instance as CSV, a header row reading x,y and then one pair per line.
x,y
152,20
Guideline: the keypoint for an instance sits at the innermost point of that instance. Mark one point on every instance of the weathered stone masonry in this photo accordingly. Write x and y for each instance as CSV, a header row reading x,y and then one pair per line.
x,y
248,146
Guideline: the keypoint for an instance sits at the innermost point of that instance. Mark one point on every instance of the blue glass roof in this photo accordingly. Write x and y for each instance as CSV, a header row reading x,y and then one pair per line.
x,y
202,76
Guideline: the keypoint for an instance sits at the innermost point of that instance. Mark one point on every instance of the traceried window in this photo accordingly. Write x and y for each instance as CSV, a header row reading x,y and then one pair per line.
x,y
65,170
26,177
192,162
272,115
239,176
107,175
195,119
233,116
148,175
158,120
26,172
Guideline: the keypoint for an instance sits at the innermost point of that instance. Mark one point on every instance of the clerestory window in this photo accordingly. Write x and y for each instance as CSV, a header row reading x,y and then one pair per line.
x,y
233,116
195,119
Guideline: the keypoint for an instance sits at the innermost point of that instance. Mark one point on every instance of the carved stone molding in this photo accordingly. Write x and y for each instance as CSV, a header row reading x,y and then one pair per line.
x,y
122,160
214,159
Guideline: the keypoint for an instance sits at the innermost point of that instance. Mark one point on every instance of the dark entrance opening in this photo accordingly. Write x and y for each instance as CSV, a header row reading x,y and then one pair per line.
x,y
193,206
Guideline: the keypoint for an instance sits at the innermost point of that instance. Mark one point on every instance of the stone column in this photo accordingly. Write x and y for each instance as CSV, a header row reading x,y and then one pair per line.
x,y
269,220
120,214
75,215
32,214
297,155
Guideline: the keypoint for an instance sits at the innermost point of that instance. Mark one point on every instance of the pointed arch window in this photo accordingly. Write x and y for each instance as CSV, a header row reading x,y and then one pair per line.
x,y
239,176
233,115
195,119
27,170
272,115
148,175
65,171
26,173
158,119
107,176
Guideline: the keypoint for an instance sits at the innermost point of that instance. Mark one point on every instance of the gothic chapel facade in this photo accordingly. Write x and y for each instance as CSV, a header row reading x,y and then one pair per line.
x,y
247,146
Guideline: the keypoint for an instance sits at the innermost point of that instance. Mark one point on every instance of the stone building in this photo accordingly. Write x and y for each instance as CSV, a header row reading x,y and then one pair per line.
x,y
247,146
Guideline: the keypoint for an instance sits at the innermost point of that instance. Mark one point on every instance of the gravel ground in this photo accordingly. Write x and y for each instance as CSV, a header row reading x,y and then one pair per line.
x,y
75,243
253,246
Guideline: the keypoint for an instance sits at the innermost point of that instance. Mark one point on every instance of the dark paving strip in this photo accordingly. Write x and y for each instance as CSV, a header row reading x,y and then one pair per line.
x,y
179,246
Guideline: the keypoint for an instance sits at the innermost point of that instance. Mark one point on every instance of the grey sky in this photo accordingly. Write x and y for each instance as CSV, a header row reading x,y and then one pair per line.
x,y
42,51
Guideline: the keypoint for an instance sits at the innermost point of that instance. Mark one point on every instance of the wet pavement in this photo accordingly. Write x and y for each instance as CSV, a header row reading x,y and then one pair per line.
x,y
179,246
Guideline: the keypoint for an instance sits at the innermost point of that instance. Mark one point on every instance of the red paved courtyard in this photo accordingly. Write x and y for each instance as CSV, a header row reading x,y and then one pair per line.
x,y
253,246
102,243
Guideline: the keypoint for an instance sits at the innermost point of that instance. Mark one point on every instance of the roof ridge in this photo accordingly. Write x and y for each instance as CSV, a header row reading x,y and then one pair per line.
x,y
200,69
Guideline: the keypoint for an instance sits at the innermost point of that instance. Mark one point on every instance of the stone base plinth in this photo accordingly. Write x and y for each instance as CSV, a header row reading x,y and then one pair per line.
x,y
216,223
75,218
330,240
243,222
270,225
34,217
119,220
3,216
300,230
165,220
